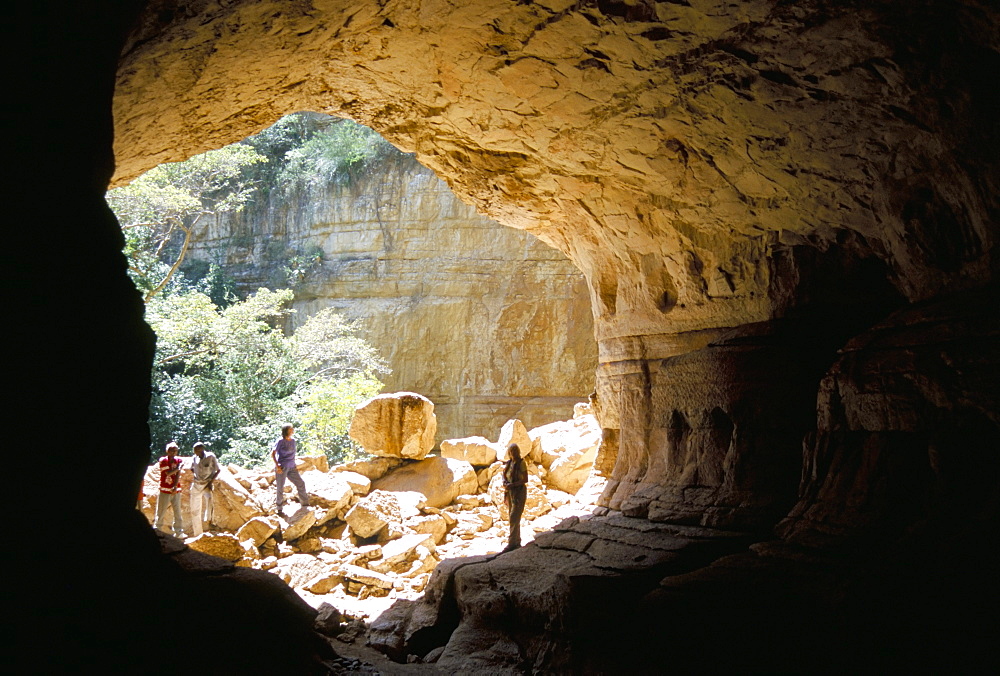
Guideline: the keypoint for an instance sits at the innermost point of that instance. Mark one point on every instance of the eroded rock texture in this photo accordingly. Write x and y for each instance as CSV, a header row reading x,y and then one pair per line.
x,y
747,188
485,320
706,167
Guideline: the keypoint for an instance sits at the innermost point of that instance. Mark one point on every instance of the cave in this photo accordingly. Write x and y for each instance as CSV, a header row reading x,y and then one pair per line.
x,y
786,213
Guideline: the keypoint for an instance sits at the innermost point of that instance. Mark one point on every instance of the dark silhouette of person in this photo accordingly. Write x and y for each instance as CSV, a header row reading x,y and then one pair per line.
x,y
515,493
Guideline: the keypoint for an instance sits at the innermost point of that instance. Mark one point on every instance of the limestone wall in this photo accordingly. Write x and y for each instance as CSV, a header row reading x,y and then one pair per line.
x,y
486,321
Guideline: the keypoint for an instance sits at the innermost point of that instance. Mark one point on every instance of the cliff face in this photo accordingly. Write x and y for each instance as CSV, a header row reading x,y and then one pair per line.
x,y
486,321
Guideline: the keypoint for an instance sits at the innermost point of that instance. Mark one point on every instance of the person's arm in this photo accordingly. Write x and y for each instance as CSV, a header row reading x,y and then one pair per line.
x,y
274,456
214,474
520,474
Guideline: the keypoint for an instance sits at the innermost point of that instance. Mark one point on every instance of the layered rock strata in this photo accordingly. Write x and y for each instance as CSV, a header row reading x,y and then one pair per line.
x,y
487,321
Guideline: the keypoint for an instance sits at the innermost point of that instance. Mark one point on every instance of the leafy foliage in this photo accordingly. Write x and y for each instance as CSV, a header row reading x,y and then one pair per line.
x,y
230,377
158,210
332,155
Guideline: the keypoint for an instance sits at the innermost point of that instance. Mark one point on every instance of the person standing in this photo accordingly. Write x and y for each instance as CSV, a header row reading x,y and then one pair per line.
x,y
283,455
205,467
170,490
515,493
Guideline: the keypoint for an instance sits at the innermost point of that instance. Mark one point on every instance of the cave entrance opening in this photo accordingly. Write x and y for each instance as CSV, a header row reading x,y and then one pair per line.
x,y
487,321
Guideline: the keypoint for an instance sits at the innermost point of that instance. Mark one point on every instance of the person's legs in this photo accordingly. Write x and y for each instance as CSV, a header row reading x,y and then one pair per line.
x,y
161,510
197,496
300,486
175,499
517,500
208,497
279,484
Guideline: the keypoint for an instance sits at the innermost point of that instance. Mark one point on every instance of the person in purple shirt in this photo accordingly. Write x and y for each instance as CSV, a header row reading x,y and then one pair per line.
x,y
283,455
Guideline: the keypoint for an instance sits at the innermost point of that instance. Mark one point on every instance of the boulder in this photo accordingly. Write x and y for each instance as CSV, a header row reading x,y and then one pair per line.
x,y
478,451
329,490
258,529
309,545
358,482
305,463
371,469
397,425
439,479
324,583
372,513
432,524
328,620
397,555
366,577
223,545
296,525
298,570
567,450
233,504
513,432
471,523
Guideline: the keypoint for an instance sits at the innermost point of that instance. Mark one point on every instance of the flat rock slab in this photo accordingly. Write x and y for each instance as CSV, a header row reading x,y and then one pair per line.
x,y
545,594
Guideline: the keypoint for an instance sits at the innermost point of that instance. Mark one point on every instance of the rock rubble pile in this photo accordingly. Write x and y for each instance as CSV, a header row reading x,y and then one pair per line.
x,y
375,529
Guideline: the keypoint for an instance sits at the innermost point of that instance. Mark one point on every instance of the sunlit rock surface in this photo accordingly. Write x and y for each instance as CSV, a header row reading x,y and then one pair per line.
x,y
487,321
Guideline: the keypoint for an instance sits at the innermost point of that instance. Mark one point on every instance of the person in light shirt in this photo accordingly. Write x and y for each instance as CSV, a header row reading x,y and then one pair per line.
x,y
205,467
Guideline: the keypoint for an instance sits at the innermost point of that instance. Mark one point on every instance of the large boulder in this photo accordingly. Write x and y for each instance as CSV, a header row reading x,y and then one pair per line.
x,y
373,513
372,468
567,450
223,545
513,432
298,523
478,451
233,504
299,570
258,529
329,490
441,480
396,425
397,555
358,482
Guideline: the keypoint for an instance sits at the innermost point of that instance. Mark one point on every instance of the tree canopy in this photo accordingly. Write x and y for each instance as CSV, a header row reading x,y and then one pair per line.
x,y
230,376
158,210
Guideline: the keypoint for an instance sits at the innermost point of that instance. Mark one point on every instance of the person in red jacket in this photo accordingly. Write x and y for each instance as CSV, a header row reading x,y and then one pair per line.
x,y
170,490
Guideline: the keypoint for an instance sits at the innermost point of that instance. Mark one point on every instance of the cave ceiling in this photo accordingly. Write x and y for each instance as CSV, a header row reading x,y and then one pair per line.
x,y
666,147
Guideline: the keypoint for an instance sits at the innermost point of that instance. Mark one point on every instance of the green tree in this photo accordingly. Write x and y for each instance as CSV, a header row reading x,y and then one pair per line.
x,y
158,210
230,377
333,154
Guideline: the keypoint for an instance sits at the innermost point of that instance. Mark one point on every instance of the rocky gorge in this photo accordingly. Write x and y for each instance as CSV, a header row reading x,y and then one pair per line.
x,y
376,529
786,216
